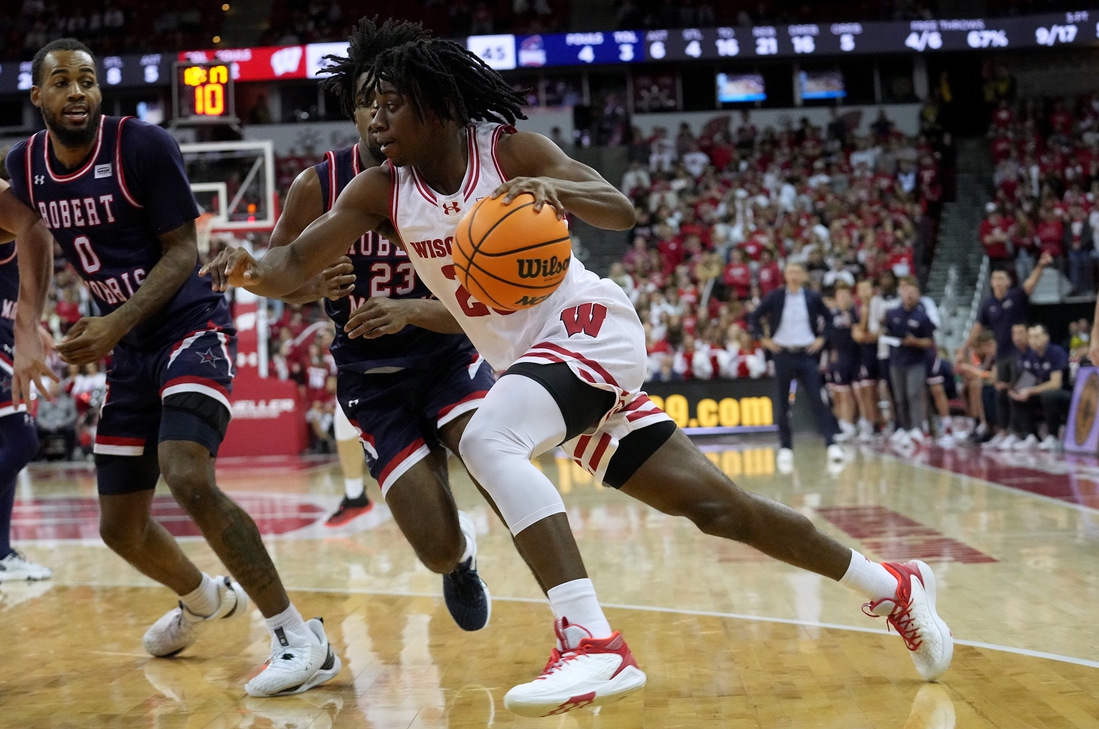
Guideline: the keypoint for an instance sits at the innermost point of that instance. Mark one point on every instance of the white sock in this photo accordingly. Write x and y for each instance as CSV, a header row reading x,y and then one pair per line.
x,y
576,602
869,578
293,628
353,487
204,600
468,531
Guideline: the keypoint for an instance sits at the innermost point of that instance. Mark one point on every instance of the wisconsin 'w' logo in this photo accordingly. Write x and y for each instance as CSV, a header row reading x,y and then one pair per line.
x,y
586,318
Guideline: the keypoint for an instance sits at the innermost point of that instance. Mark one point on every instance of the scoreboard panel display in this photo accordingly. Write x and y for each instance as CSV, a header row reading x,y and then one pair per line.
x,y
1033,32
579,49
204,93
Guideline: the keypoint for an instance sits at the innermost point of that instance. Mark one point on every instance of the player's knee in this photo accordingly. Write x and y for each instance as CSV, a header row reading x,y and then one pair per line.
x,y
483,443
189,479
122,535
441,557
719,517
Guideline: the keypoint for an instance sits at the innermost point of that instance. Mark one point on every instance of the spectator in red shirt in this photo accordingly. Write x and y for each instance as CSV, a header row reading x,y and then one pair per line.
x,y
68,308
670,247
1051,233
738,276
316,376
769,274
995,234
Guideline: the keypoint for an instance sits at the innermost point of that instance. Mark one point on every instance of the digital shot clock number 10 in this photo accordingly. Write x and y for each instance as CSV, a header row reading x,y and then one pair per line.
x,y
204,93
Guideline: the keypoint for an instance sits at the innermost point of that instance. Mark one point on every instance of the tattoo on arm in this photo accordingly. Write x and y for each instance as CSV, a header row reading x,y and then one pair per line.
x,y
168,275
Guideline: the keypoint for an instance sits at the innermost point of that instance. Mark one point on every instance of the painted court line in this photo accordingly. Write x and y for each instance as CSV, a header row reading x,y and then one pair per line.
x,y
652,609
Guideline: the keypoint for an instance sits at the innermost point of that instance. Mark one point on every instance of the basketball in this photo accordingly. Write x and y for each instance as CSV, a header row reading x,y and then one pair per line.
x,y
510,257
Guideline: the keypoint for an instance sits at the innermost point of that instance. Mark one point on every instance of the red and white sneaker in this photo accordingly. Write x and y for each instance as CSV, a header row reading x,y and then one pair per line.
x,y
582,671
911,612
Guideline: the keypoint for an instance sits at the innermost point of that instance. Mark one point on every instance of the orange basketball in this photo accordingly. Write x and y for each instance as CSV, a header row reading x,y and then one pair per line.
x,y
510,257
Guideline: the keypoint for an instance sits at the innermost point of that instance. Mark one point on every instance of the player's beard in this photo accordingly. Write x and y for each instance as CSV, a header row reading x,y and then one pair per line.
x,y
73,138
375,152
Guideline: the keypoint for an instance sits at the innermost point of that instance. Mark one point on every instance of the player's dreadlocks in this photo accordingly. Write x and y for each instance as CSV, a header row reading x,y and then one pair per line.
x,y
443,77
367,40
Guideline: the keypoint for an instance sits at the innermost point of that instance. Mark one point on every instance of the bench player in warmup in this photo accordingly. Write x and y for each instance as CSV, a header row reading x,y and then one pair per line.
x,y
574,367
18,434
115,195
409,380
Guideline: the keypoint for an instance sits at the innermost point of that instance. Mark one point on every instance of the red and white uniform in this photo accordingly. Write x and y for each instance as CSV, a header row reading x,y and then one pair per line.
x,y
587,323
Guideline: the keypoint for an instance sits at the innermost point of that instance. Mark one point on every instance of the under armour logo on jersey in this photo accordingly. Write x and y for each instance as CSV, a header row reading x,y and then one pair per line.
x,y
586,318
449,208
39,179
209,357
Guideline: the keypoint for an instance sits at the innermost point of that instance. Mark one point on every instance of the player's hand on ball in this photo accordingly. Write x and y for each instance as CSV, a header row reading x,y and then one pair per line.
x,y
378,317
232,267
543,189
89,340
338,280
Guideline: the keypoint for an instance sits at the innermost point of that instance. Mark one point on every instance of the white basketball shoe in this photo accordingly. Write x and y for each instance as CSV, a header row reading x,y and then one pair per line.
x,y
179,628
582,671
911,612
292,669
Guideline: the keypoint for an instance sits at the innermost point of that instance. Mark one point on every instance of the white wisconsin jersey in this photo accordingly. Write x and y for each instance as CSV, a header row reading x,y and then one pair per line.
x,y
427,220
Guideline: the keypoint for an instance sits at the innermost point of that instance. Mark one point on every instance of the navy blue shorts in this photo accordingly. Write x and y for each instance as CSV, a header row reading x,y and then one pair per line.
x,y
934,367
950,382
399,414
843,372
178,392
869,365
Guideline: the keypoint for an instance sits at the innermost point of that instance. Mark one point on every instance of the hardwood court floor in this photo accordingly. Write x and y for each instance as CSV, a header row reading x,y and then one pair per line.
x,y
728,638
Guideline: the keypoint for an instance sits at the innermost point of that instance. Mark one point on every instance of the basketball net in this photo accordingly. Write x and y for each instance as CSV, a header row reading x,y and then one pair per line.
x,y
203,225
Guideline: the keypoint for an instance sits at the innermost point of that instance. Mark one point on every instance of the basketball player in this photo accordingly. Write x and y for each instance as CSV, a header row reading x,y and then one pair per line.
x,y
18,434
408,390
843,364
115,195
574,366
866,385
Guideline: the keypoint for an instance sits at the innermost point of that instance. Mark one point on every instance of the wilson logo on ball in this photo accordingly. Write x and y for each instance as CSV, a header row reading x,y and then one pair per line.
x,y
511,257
542,267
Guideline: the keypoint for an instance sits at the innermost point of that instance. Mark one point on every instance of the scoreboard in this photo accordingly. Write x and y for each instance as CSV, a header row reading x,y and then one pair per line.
x,y
1034,32
204,93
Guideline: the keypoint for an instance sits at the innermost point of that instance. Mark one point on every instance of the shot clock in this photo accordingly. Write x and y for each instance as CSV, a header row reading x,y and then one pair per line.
x,y
204,93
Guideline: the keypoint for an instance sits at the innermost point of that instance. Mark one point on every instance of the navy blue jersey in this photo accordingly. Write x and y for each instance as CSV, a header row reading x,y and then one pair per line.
x,y
841,341
1000,315
9,288
107,214
899,323
1054,359
382,269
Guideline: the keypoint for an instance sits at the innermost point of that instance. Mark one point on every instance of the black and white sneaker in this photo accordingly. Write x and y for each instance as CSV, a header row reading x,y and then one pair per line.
x,y
466,594
16,567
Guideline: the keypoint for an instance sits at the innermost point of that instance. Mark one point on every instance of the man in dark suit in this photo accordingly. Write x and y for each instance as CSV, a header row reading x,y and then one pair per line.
x,y
793,324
